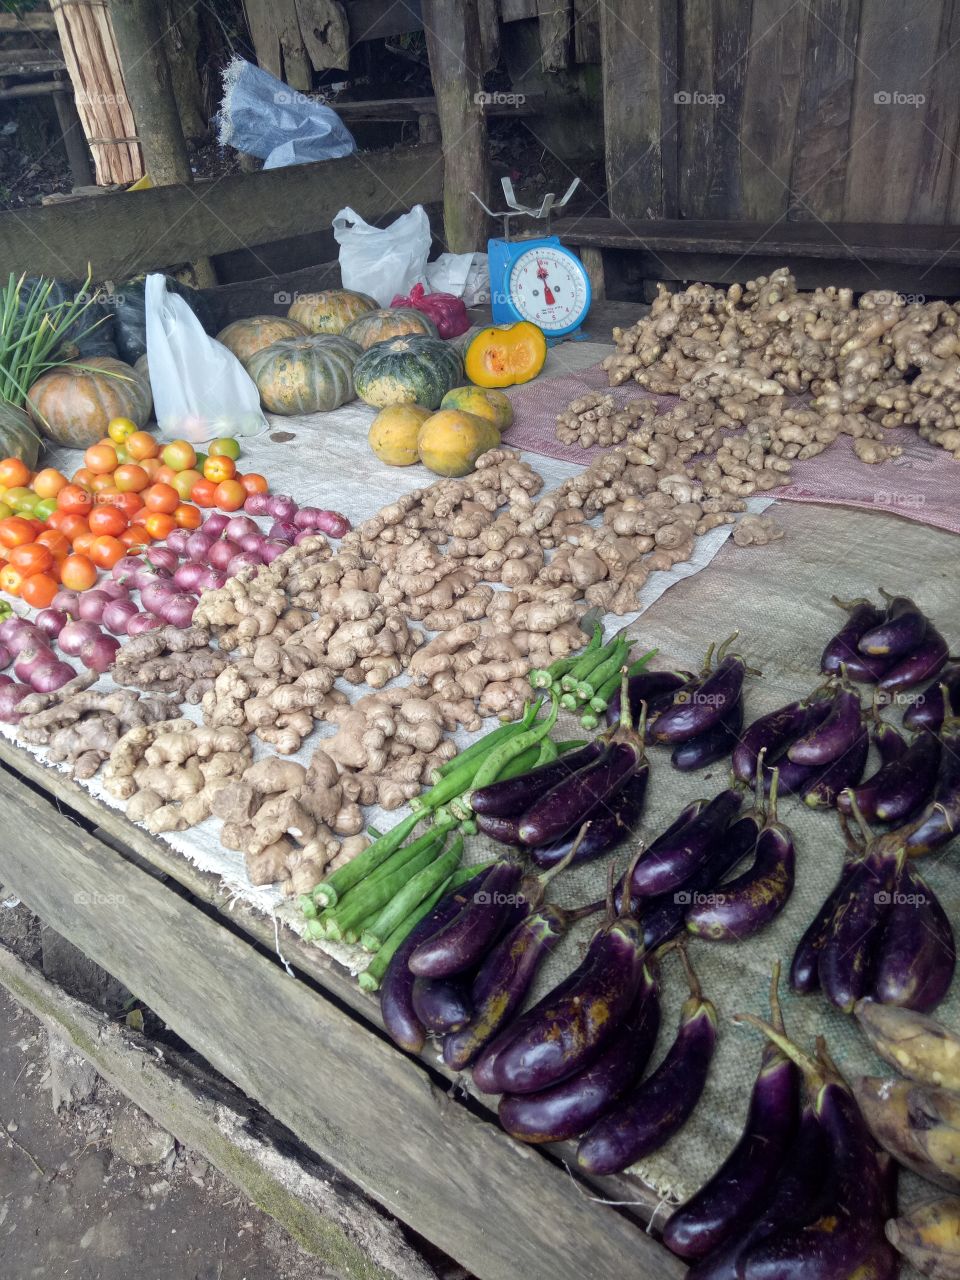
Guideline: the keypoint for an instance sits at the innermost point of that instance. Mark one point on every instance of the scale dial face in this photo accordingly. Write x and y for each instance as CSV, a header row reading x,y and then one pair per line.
x,y
549,287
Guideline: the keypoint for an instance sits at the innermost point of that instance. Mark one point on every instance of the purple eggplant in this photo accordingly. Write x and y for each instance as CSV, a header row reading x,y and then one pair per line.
x,y
834,735
503,980
848,955
804,968
503,830
923,663
902,629
863,616
609,824
699,708
743,906
708,747
939,821
773,732
826,784
898,788
889,742
569,1028
926,710
685,815
917,954
659,1106
442,1004
396,990
671,860
649,687
569,1108
512,797
462,942
740,1189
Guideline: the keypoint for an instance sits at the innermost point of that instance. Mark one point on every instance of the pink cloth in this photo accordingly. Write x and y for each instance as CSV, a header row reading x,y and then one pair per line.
x,y
923,484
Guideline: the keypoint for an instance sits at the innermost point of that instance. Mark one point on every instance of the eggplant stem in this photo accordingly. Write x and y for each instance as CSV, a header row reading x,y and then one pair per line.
x,y
772,797
611,892
849,605
626,718
696,991
708,660
759,798
721,652
776,1012
813,1074
861,820
948,711
854,844
546,876
572,914
627,895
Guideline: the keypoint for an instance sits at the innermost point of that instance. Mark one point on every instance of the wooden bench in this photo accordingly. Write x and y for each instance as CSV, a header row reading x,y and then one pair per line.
x,y
915,260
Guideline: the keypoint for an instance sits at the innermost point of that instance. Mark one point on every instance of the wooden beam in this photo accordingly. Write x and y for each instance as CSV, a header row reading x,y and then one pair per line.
x,y
372,1112
124,235
374,20
326,33
413,108
74,142
454,49
586,31
27,22
36,90
555,20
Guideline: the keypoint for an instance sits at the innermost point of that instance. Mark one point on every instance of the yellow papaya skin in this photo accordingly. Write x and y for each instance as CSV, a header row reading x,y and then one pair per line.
x,y
450,441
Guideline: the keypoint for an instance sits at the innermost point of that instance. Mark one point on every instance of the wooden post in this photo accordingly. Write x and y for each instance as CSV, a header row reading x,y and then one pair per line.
x,y
75,144
454,49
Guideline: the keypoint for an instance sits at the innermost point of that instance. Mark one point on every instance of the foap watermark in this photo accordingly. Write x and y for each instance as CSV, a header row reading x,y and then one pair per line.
x,y
83,97
99,899
896,98
293,97
893,298
695,98
893,498
896,899
688,898
485,899
497,98
695,698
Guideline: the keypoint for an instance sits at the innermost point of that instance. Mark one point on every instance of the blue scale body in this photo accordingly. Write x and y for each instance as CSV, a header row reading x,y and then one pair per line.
x,y
503,256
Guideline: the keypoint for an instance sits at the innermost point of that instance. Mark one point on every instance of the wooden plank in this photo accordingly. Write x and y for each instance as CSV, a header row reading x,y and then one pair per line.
x,y
71,133
326,33
318,1208
296,62
413,108
555,21
374,20
370,1111
821,150
771,97
488,12
517,10
586,31
29,62
264,36
37,90
123,236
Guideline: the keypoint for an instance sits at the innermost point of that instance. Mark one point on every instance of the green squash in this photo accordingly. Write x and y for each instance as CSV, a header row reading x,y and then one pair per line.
x,y
389,322
330,310
18,435
305,375
411,370
246,337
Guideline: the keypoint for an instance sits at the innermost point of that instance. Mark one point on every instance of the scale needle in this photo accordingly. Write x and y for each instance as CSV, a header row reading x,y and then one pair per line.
x,y
548,297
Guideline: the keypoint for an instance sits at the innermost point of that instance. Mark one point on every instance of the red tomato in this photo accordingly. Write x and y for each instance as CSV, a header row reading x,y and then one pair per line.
x,y
138,535
130,478
164,475
151,466
39,589
30,558
57,541
78,573
254,483
105,551
83,542
100,483
204,493
14,473
142,445
188,517
107,519
70,525
101,458
230,495
161,497
15,531
129,503
75,499
159,525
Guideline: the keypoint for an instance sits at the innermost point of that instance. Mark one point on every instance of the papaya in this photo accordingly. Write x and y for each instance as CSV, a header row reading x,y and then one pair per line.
x,y
485,402
393,434
450,441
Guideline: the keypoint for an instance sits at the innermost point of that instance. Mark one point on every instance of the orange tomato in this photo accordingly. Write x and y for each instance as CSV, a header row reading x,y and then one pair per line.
x,y
203,493
15,531
142,445
151,466
101,458
159,525
130,478
164,474
184,482
230,495
99,483
57,541
70,525
105,551
39,589
129,503
83,542
137,535
107,519
219,469
11,579
161,497
14,473
83,476
75,499
48,482
188,517
254,483
31,557
78,573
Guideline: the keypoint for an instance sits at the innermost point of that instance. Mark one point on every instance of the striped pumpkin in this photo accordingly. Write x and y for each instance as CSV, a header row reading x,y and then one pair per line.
x,y
305,375
411,370
331,310
73,403
389,322
246,337
18,435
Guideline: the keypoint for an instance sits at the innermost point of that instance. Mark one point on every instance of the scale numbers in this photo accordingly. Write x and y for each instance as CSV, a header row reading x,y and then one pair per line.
x,y
548,286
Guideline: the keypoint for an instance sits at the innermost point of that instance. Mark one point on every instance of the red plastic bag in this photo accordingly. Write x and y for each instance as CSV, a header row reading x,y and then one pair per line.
x,y
447,312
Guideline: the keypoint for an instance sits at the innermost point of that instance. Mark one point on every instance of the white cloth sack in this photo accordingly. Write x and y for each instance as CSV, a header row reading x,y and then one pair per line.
x,y
465,275
383,261
200,389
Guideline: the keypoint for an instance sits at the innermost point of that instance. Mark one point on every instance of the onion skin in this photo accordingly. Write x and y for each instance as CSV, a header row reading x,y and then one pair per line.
x,y
216,523
238,527
198,545
281,506
18,634
163,558
283,531
332,523
255,504
92,605
178,608
117,615
115,590
76,634
243,560
177,540
50,621
6,657
10,695
68,601
188,575
99,654
153,596
222,552
142,622
212,580
125,570
49,676
271,549
31,656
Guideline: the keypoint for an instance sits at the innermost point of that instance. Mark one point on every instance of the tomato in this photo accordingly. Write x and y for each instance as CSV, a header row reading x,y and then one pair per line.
x,y
105,551
141,445
39,589
184,482
138,535
151,466
45,509
219,469
16,532
129,478
21,499
83,476
179,455
122,455
5,510
107,519
70,525
11,579
230,495
58,542
101,459
13,473
161,497
131,504
121,429
78,572
31,557
83,542
224,447
75,499
203,493
254,483
159,524
48,482
188,517
164,474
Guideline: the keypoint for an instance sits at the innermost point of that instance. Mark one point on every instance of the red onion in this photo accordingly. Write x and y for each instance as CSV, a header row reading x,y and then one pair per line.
x,y
216,523
155,593
46,676
256,504
178,609
75,635
252,542
283,530
115,590
51,622
163,558
304,517
10,695
222,552
149,574
125,570
6,657
188,575
92,605
272,548
99,654
15,632
36,655
141,622
177,541
212,580
117,615
199,544
332,523
241,560
68,601
282,507
239,527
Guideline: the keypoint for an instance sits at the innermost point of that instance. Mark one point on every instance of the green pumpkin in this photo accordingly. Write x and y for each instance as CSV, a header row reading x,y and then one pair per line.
x,y
331,310
305,375
411,370
18,435
389,322
246,337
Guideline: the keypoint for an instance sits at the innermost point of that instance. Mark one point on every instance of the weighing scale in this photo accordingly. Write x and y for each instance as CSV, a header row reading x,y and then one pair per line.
x,y
539,279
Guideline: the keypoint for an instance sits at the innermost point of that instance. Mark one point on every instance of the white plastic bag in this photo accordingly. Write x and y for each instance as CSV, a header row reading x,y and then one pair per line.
x,y
465,275
200,389
383,261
